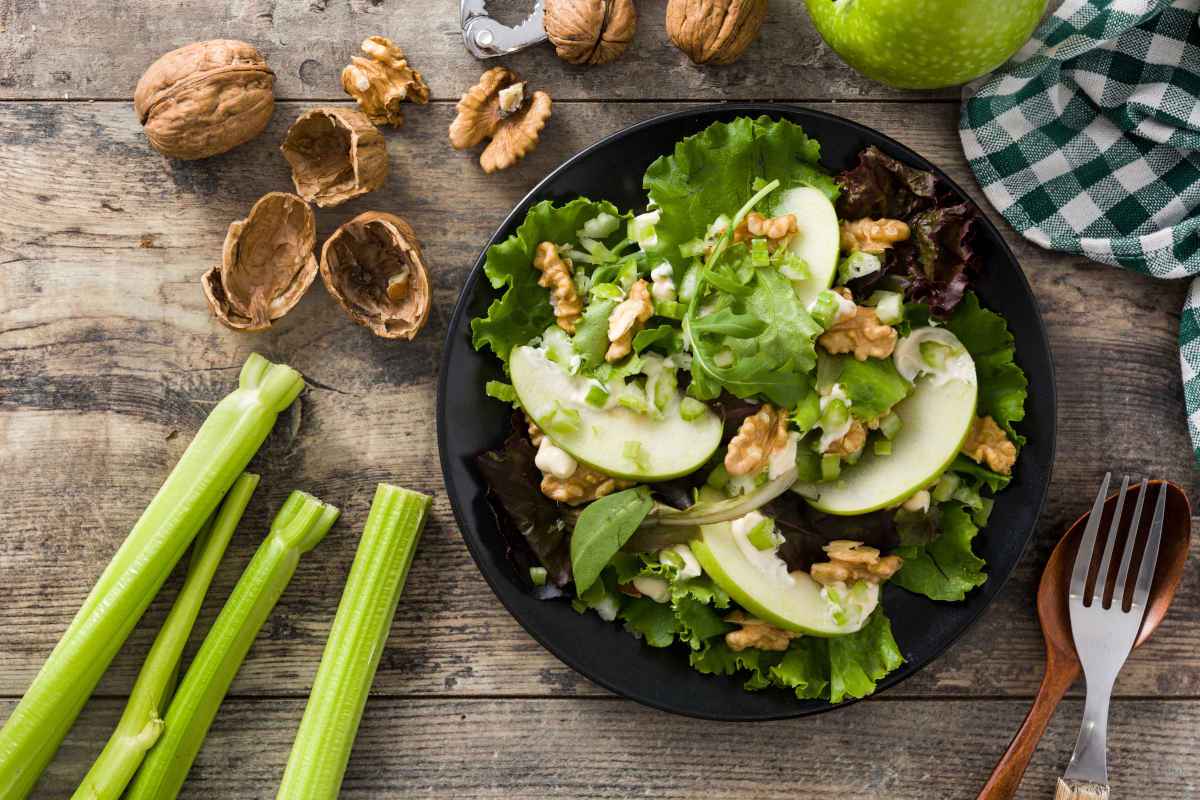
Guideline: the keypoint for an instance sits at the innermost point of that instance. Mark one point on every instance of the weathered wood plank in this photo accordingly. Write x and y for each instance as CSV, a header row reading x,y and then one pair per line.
x,y
307,44
109,361
614,749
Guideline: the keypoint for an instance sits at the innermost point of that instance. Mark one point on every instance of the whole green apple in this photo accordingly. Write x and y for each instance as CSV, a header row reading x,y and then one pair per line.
x,y
925,44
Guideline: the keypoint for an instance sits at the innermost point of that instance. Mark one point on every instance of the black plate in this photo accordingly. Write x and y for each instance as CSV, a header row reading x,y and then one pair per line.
x,y
469,422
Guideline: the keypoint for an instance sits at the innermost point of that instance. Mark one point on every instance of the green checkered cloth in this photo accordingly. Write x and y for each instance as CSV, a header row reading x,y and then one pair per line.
x,y
1088,142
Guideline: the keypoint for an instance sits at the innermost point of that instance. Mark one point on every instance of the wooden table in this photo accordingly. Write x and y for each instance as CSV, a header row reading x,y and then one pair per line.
x,y
109,360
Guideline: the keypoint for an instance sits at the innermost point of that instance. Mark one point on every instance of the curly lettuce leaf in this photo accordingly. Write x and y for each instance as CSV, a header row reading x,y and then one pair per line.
x,y
1003,387
654,622
523,311
714,173
945,568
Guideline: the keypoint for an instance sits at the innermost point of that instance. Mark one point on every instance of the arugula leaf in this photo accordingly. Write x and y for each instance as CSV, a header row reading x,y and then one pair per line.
x,y
873,386
946,568
668,338
591,333
714,172
1003,386
602,528
523,311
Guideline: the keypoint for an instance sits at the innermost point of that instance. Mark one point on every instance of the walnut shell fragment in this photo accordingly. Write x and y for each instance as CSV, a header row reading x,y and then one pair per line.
x,y
381,79
335,154
714,31
373,267
267,264
495,109
590,31
205,98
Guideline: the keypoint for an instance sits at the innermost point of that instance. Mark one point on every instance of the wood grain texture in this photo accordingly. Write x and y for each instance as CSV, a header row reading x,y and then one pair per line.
x,y
109,360
308,42
546,748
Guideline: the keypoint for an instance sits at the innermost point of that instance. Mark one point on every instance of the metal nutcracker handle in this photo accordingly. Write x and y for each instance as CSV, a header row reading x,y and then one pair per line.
x,y
487,38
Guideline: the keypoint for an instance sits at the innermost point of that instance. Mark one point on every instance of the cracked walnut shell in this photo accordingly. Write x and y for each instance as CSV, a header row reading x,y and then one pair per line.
x,y
335,154
759,435
714,31
590,31
374,269
205,98
495,109
266,266
851,561
381,79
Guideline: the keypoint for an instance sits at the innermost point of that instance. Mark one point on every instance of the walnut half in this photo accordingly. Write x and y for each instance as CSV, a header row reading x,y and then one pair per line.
x,y
987,443
861,334
556,276
495,109
583,486
759,436
851,561
627,319
381,79
872,236
756,633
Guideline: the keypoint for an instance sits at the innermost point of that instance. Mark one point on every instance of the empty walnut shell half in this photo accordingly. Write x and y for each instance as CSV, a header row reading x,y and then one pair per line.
x,y
336,154
373,267
205,98
590,31
267,264
714,31
496,109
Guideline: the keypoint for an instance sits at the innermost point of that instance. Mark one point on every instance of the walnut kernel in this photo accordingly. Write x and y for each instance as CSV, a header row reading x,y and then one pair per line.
x,y
556,276
381,79
853,441
861,334
851,561
584,485
760,435
873,236
590,31
513,134
987,443
756,633
627,319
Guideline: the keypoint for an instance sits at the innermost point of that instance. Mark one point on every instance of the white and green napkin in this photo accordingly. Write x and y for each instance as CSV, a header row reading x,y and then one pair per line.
x,y
1088,141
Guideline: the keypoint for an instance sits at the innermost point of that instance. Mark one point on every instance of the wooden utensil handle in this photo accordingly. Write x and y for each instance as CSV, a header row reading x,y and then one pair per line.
x,y
1006,777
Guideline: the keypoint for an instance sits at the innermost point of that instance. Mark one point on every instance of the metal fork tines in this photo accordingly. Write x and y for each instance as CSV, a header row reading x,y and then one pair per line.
x,y
1105,624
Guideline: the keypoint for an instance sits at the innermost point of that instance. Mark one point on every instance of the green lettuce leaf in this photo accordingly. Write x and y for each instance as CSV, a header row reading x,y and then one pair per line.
x,y
873,386
714,173
858,661
591,333
1002,384
523,311
945,568
654,622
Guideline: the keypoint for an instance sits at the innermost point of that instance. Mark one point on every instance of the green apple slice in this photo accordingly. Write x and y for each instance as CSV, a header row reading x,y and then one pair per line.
x,y
794,606
936,416
819,240
663,448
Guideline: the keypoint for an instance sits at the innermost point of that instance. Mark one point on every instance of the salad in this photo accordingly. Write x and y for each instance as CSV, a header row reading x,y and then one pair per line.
x,y
743,410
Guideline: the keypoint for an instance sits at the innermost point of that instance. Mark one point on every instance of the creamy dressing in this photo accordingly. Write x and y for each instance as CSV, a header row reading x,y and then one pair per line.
x,y
553,460
691,567
857,601
828,437
663,287
638,229
656,589
607,608
767,562
918,502
910,362
784,458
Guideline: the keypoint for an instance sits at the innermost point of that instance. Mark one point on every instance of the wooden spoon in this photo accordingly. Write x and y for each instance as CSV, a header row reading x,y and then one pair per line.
x,y
1062,665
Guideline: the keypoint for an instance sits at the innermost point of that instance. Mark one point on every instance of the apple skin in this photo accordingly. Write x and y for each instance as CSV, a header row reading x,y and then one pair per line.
x,y
925,44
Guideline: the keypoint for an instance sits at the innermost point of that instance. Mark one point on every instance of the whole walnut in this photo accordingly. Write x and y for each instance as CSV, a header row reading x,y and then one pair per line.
x,y
205,98
714,31
590,31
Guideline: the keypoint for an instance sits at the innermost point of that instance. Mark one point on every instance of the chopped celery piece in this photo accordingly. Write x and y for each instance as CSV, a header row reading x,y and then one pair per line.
x,y
718,478
759,255
356,640
141,724
692,249
835,415
807,413
808,465
562,420
223,446
889,307
669,309
641,229
934,354
831,467
762,535
945,487
538,575
597,395
792,266
634,398
607,291
633,452
824,308
299,526
600,226
665,388
883,447
890,425
687,286
690,408
857,265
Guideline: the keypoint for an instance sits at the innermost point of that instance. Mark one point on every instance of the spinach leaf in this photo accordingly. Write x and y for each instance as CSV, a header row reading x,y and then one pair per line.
x,y
602,528
873,386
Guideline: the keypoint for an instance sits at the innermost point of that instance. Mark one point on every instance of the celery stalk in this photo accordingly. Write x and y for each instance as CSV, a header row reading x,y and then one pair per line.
x,y
299,526
223,446
142,724
360,629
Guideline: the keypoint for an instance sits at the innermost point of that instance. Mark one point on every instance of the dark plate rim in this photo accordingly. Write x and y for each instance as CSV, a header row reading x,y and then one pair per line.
x,y
454,328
